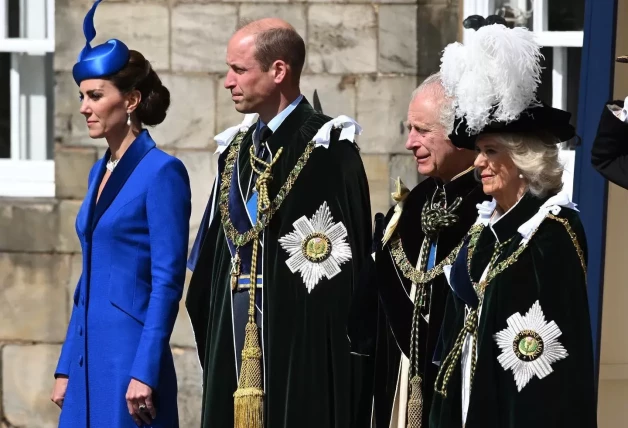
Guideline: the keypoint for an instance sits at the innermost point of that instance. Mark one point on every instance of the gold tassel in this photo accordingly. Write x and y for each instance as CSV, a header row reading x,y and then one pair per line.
x,y
415,403
249,398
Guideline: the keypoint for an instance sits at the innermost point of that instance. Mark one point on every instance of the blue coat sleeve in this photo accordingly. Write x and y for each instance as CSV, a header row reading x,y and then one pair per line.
x,y
168,207
63,366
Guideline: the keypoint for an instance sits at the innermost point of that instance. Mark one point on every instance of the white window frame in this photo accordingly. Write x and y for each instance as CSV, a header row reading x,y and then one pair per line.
x,y
559,41
27,173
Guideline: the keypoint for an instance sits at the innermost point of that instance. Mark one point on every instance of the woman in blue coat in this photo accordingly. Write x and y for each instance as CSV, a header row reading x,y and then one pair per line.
x,y
116,369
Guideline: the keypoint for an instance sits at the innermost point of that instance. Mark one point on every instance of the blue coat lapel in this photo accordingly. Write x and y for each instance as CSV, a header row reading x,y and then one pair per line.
x,y
132,157
86,214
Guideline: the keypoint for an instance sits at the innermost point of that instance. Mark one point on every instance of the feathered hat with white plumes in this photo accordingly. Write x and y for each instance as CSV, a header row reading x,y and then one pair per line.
x,y
493,79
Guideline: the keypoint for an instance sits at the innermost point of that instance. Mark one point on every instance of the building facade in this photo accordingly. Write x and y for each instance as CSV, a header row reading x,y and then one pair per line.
x,y
364,58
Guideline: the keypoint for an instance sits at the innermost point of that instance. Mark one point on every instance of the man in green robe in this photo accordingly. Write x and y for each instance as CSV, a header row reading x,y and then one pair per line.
x,y
398,307
290,208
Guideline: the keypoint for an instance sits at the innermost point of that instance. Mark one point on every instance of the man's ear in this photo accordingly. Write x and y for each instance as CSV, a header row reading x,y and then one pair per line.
x,y
281,70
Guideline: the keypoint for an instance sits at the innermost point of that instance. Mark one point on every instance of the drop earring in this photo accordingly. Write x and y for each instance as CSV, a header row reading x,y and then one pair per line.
x,y
128,119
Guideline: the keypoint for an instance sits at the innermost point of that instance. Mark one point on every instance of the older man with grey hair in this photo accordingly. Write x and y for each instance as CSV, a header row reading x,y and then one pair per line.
x,y
398,308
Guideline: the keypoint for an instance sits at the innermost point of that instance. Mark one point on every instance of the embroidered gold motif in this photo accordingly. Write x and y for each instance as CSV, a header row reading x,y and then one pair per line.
x,y
527,345
316,247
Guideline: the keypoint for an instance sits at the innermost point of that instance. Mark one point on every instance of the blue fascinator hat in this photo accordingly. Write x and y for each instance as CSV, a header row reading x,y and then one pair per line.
x,y
102,60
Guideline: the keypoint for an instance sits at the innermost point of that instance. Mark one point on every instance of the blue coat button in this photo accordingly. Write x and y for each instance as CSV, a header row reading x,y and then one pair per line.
x,y
80,330
80,360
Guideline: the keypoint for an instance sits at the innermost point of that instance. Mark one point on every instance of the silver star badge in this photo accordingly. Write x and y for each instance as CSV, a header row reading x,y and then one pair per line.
x,y
317,247
529,346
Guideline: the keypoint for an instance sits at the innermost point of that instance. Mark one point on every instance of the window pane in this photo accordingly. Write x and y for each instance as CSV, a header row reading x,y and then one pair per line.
x,y
5,105
565,15
26,88
14,18
562,15
518,13
545,90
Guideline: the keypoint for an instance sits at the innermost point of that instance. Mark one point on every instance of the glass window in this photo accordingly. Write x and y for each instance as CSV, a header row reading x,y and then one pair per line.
x,y
26,80
565,15
5,105
26,98
558,15
518,13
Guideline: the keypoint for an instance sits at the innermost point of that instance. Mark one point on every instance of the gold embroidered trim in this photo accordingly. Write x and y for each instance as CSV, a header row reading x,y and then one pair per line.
x,y
574,239
240,239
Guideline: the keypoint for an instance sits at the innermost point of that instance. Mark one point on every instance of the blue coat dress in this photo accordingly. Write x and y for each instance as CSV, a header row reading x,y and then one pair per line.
x,y
134,242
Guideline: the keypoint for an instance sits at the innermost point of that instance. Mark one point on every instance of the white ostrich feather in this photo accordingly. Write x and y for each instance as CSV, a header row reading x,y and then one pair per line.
x,y
494,77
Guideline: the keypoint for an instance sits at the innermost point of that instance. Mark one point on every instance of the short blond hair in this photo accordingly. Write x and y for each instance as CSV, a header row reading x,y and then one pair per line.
x,y
536,155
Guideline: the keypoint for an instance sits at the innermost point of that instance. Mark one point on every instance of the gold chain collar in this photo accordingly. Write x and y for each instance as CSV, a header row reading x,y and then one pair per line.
x,y
410,272
240,239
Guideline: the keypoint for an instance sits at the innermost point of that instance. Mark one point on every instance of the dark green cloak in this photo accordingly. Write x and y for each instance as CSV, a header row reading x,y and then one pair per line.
x,y
549,271
311,379
381,315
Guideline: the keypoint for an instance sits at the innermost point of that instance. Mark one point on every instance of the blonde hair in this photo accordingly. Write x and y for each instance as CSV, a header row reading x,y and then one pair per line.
x,y
535,154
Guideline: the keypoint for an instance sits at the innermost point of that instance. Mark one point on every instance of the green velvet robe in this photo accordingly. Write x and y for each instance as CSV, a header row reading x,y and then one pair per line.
x,y
381,316
310,377
551,272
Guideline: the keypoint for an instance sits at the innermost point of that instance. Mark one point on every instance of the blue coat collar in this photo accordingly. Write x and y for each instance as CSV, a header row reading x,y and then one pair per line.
x,y
132,157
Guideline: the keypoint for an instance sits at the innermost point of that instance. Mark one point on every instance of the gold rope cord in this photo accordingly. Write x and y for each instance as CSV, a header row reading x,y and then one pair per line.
x,y
249,397
435,216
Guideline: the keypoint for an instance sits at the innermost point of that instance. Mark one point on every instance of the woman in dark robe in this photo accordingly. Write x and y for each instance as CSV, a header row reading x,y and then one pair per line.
x,y
516,344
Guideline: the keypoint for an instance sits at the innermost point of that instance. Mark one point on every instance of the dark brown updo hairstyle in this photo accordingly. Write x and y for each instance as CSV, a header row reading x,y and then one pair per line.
x,y
139,75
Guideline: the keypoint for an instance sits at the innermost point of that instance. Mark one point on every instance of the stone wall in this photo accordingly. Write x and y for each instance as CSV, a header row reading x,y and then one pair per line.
x,y
363,58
